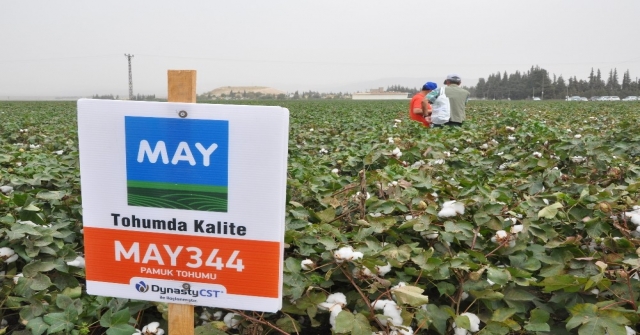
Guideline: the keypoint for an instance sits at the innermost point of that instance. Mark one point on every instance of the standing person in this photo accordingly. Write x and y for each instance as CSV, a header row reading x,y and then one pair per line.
x,y
458,98
419,109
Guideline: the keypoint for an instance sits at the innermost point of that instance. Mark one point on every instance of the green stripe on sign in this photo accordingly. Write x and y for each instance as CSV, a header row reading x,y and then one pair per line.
x,y
179,187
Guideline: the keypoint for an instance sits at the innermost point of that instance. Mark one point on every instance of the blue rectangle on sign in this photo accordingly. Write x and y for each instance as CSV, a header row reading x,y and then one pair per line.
x,y
177,163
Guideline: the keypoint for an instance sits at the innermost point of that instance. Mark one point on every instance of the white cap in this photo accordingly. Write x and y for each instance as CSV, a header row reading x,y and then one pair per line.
x,y
453,76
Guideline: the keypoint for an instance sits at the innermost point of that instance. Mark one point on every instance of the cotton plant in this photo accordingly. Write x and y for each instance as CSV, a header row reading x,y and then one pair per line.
x,y
334,304
347,254
8,255
77,262
307,265
6,189
231,321
396,153
634,216
451,209
474,325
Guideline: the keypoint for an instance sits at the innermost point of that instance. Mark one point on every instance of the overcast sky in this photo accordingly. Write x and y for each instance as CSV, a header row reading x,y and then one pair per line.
x,y
77,47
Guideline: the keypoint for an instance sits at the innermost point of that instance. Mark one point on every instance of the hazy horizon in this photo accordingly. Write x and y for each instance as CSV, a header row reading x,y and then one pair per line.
x,y
77,48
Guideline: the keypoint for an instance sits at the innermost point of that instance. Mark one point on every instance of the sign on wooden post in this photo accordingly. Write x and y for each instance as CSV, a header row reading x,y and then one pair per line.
x,y
181,88
184,203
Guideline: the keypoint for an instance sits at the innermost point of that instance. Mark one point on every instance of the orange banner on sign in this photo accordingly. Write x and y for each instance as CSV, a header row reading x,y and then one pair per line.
x,y
243,267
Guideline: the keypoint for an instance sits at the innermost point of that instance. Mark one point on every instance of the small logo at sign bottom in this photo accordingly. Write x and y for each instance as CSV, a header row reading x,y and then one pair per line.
x,y
142,287
178,292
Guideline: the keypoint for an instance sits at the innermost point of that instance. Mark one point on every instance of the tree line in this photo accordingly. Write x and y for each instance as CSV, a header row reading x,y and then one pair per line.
x,y
537,82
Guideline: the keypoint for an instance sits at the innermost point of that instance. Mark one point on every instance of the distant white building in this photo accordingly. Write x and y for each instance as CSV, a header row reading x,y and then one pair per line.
x,y
380,94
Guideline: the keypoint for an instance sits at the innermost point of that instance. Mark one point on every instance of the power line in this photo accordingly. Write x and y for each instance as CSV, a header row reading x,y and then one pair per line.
x,y
129,56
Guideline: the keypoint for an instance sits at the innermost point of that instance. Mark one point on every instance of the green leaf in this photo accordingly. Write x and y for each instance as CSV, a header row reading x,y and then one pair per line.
x,y
538,321
36,267
121,329
410,295
328,242
550,211
37,326
344,322
50,195
498,276
594,321
361,325
61,321
39,282
289,325
462,321
31,208
487,295
502,314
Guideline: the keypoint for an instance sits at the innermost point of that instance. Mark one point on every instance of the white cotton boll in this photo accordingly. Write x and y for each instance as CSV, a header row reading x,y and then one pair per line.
x,y
395,125
335,171
230,321
484,146
307,265
59,152
362,273
512,244
629,330
546,202
217,315
447,212
408,217
400,284
78,262
500,153
151,327
447,153
20,275
511,138
393,312
437,162
6,189
12,259
356,255
342,254
635,219
379,304
205,315
510,128
396,151
595,291
501,234
537,154
474,321
460,331
311,129
431,236
577,136
638,229
458,207
6,252
390,140
337,298
334,314
34,146
517,228
464,295
397,121
578,159
137,331
403,330
383,270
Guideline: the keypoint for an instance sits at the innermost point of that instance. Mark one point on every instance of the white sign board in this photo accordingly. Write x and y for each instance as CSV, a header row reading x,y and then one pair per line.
x,y
186,210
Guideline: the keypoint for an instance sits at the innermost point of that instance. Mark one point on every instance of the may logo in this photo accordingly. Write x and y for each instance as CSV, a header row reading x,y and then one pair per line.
x,y
177,163
142,287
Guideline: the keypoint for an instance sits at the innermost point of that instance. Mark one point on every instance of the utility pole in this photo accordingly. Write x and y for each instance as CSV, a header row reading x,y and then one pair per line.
x,y
130,76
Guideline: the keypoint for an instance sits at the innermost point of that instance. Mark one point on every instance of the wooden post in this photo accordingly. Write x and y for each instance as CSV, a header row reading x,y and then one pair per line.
x,y
182,88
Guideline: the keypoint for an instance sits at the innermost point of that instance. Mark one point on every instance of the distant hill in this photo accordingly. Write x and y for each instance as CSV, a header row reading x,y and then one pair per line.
x,y
240,89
